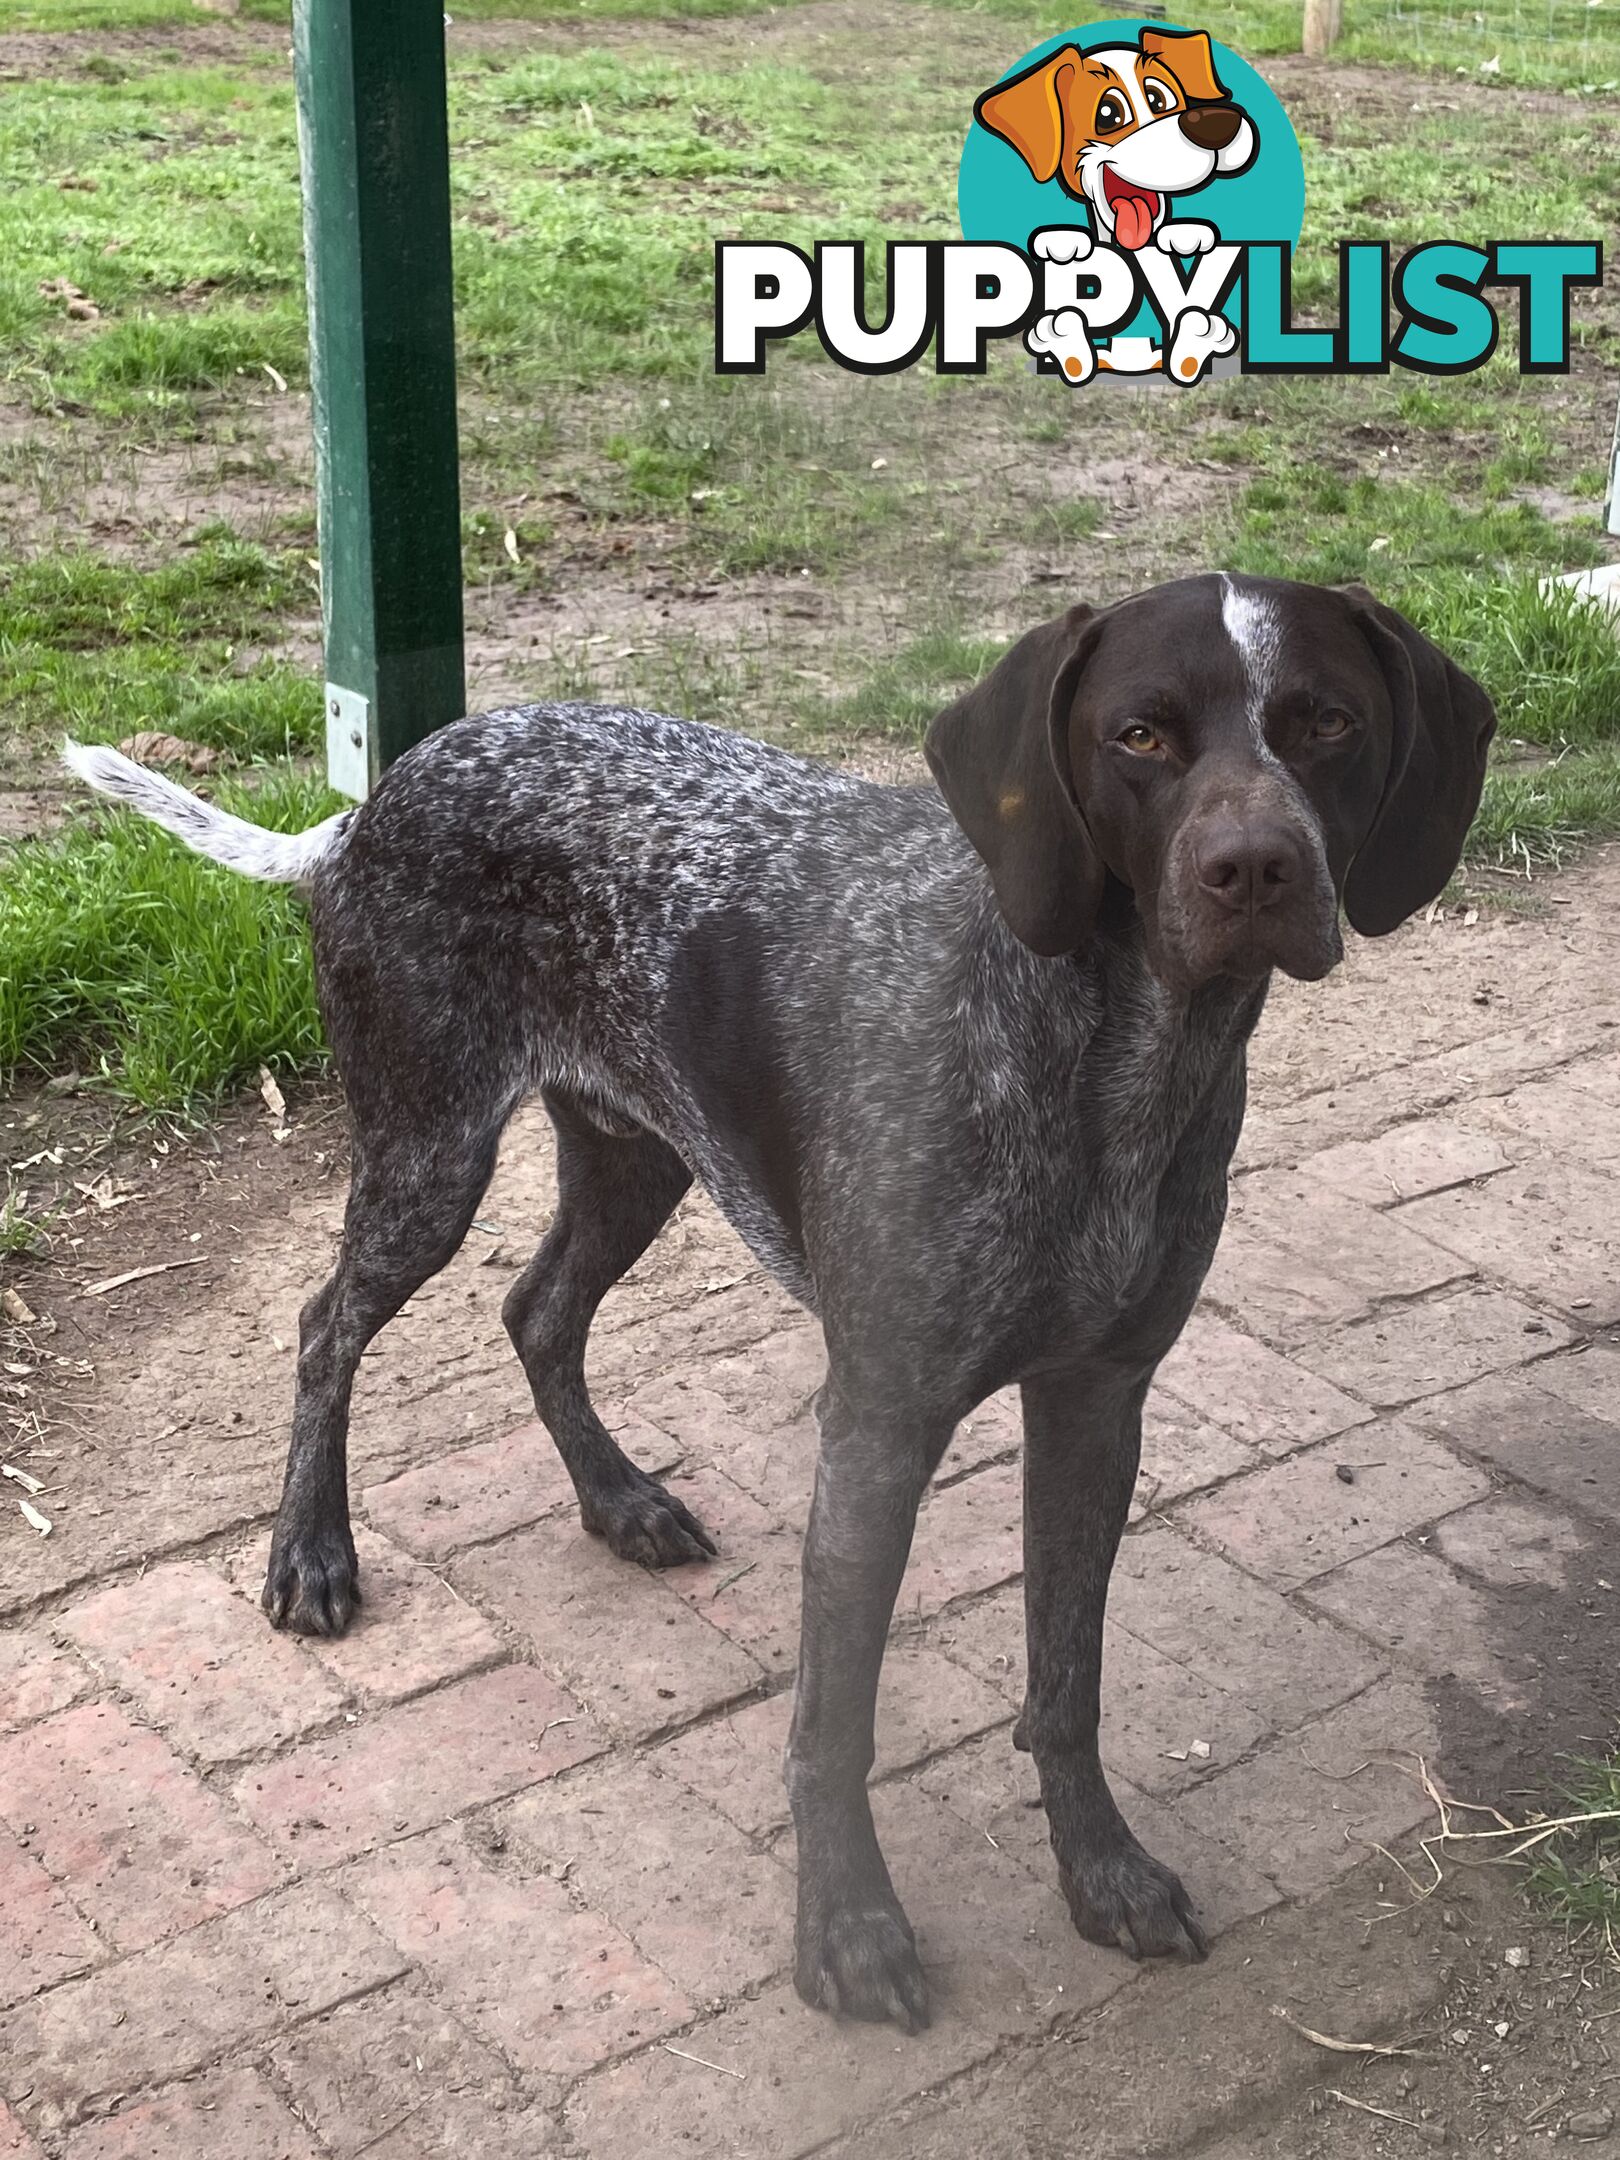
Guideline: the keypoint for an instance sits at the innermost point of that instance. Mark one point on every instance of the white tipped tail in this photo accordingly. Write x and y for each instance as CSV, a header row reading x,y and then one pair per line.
x,y
278,858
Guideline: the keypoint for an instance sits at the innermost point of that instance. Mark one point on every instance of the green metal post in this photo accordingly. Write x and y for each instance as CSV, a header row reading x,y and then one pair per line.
x,y
373,138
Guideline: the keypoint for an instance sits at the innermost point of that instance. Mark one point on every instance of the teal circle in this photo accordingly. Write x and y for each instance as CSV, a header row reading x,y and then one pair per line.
x,y
999,199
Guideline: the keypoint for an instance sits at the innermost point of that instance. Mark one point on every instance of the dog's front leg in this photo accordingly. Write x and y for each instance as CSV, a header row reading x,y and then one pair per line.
x,y
855,1952
1082,1443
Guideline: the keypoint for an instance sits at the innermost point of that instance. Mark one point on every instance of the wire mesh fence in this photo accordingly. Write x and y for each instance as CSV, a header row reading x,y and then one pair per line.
x,y
1582,34
1571,45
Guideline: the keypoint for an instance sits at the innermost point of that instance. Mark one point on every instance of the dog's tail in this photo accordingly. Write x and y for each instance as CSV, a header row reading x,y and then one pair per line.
x,y
278,858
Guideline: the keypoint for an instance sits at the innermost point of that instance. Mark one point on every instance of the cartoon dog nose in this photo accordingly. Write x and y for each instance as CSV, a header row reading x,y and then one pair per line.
x,y
1247,867
1211,127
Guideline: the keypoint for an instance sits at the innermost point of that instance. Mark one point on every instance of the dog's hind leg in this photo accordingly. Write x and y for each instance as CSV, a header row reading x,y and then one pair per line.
x,y
616,1189
415,1188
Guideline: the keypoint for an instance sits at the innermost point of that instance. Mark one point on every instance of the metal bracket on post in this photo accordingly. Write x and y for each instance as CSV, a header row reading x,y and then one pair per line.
x,y
373,136
350,743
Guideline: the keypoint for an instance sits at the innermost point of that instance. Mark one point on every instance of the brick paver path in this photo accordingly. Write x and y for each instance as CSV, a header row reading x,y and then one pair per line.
x,y
506,1873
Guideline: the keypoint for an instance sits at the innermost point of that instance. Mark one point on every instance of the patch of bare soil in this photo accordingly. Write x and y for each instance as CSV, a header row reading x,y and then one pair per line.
x,y
28,810
839,39
1316,90
250,465
212,40
1517,2057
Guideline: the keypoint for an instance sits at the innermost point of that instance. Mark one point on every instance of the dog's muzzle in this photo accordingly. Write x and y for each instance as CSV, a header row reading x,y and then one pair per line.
x,y
1245,892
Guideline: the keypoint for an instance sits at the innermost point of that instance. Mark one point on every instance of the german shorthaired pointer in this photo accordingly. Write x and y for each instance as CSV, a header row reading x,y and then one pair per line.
x,y
964,1067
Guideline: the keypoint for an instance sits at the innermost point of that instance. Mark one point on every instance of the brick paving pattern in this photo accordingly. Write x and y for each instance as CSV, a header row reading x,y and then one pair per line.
x,y
507,1872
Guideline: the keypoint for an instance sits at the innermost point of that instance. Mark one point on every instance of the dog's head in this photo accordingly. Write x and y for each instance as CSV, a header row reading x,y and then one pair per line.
x,y
1125,127
1241,754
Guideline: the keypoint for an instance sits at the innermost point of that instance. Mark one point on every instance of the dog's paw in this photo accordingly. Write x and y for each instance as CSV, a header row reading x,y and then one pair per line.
x,y
644,1523
1064,338
1062,243
1127,1900
859,1959
313,1582
1185,238
1199,338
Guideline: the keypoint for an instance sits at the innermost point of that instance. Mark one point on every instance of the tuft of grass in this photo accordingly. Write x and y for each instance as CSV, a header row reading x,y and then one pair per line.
x,y
902,694
1549,657
1578,1875
159,354
219,586
1551,661
103,649
20,1232
124,954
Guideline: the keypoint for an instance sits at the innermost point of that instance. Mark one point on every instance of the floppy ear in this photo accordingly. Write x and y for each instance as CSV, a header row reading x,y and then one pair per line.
x,y
1001,757
1190,58
1443,726
1028,111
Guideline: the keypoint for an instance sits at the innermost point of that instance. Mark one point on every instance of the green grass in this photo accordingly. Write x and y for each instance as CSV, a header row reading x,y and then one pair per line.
x,y
1551,662
588,187
127,956
900,695
1578,1875
181,224
21,1232
102,649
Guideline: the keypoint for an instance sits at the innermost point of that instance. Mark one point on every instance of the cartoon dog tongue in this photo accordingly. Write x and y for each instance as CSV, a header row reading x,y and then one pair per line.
x,y
1133,210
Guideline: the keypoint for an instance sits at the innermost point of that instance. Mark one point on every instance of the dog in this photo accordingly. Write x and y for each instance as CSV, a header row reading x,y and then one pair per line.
x,y
962,1063
1122,129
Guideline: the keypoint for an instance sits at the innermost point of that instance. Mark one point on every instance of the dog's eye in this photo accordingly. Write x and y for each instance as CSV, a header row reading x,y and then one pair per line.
x,y
1330,726
1158,97
1140,738
1112,112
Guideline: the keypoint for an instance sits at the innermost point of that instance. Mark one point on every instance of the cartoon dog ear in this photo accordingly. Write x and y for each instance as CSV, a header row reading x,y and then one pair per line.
x,y
1001,758
1028,111
1190,58
1443,727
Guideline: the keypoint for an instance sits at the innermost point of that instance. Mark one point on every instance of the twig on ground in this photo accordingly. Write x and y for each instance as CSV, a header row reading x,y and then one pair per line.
x,y
1345,2047
1407,2122
139,1274
669,2049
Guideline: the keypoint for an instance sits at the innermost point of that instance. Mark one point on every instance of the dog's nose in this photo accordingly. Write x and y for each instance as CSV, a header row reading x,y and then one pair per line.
x,y
1247,867
1211,127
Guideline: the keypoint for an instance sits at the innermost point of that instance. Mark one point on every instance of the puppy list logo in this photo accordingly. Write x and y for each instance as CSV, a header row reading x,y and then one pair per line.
x,y
1131,197
1125,133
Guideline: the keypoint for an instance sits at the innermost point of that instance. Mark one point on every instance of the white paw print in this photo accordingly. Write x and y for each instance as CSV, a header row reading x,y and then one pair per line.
x,y
1062,243
1199,338
1064,337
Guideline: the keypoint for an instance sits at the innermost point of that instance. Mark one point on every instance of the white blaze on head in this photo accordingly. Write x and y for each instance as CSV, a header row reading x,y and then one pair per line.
x,y
1255,629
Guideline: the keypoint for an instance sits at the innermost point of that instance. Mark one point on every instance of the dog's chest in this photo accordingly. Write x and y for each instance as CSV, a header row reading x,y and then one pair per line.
x,y
1151,1147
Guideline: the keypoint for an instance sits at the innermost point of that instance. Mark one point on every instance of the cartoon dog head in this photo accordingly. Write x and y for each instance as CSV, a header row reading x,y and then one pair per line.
x,y
1124,128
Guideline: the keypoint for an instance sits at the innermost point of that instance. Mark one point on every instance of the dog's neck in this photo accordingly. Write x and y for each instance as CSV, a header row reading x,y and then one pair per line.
x,y
1098,1032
